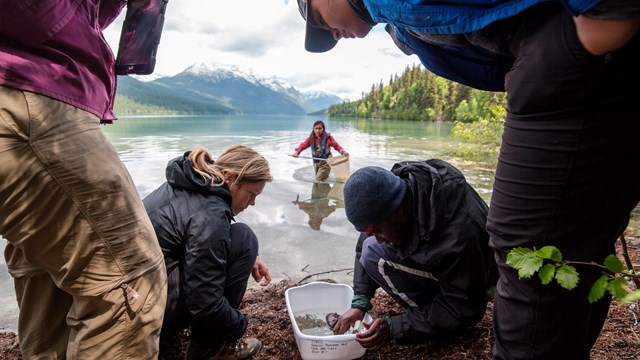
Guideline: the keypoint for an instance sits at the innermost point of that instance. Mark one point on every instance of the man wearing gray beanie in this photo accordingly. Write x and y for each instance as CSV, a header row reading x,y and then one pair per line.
x,y
423,241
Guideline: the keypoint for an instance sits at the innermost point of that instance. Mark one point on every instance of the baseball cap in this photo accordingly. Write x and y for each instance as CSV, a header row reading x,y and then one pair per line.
x,y
316,40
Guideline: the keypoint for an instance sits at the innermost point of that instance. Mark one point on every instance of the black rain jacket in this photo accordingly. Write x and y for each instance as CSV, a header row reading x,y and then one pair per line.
x,y
192,221
450,239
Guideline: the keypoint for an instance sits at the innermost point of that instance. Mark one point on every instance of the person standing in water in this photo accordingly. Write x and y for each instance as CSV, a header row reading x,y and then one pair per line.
x,y
320,142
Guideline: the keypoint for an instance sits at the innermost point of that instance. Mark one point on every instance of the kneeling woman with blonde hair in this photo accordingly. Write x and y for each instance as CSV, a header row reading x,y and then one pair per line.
x,y
208,258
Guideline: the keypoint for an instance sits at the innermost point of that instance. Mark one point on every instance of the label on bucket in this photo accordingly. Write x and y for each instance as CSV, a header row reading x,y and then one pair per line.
x,y
322,347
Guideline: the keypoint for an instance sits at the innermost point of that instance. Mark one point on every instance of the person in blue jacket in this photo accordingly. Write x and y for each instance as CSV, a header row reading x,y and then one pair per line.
x,y
209,259
567,173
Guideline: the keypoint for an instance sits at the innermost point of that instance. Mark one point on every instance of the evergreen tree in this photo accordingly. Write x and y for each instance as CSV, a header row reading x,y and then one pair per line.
x,y
416,94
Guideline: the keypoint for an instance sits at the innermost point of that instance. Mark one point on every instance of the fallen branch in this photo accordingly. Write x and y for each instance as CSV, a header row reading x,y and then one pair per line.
x,y
321,273
627,260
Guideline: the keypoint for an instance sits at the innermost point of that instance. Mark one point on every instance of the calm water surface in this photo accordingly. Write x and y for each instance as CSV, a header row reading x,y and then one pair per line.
x,y
301,224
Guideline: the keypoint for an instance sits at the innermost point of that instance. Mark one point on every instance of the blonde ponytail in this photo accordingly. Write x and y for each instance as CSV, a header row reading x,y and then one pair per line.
x,y
245,163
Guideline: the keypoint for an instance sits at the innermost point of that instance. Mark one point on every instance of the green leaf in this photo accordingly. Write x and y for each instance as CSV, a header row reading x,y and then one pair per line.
x,y
567,277
525,261
613,264
546,273
633,296
617,288
599,287
549,252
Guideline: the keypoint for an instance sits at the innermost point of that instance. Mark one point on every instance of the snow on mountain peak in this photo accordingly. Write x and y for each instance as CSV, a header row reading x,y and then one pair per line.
x,y
215,70
314,94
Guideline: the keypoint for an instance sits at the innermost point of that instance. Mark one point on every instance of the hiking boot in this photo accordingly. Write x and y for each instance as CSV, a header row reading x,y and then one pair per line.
x,y
196,351
236,350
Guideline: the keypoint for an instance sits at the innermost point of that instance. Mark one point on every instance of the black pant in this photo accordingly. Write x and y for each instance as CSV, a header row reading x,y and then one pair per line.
x,y
242,257
568,175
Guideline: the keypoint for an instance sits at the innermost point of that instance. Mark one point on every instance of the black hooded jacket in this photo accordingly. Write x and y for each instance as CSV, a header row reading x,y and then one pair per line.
x,y
192,220
450,239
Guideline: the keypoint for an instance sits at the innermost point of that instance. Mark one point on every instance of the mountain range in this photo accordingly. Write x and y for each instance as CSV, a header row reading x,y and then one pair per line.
x,y
210,88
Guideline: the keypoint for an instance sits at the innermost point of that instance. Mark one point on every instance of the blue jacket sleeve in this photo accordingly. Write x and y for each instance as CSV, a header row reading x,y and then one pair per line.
x,y
465,65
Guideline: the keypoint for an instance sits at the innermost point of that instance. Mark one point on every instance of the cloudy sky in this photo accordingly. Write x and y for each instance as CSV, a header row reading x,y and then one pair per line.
x,y
268,36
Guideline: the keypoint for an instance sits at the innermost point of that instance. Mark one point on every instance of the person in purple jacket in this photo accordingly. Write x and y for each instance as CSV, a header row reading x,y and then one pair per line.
x,y
89,275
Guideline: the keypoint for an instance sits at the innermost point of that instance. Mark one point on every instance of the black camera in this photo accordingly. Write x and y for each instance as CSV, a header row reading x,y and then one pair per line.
x,y
140,37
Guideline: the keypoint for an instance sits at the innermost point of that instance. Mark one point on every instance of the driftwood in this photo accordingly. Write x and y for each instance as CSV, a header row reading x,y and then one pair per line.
x,y
307,277
627,260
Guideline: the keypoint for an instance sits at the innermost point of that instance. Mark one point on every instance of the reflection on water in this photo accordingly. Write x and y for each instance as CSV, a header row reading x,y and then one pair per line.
x,y
325,199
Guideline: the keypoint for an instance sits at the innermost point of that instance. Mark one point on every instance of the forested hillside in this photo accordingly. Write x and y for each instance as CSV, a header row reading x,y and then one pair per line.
x,y
418,94
148,98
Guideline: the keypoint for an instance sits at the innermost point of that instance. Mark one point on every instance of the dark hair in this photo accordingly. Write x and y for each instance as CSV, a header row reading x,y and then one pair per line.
x,y
312,136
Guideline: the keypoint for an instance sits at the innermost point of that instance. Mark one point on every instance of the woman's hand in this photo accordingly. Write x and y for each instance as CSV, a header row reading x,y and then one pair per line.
x,y
295,154
377,334
347,320
599,36
261,272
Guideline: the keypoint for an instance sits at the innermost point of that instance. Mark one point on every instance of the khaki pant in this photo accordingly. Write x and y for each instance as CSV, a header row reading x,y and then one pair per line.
x,y
322,170
80,245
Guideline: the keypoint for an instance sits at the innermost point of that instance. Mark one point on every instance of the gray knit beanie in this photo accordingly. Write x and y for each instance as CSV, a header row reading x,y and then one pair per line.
x,y
371,194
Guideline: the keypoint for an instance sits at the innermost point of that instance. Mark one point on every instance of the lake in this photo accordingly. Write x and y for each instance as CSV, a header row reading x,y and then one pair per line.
x,y
301,224
290,246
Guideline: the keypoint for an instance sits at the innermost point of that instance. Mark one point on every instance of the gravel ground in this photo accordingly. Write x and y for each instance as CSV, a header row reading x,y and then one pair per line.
x,y
269,322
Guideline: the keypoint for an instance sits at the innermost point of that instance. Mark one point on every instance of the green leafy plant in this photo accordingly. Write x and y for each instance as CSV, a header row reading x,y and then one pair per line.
x,y
550,265
479,124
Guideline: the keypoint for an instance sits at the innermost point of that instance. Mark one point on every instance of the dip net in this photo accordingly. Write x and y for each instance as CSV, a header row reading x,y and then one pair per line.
x,y
340,167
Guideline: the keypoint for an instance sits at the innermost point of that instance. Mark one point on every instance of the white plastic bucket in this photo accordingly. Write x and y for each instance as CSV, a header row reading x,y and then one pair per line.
x,y
321,295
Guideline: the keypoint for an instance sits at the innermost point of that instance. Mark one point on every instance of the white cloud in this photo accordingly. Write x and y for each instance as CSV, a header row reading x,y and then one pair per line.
x,y
268,36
